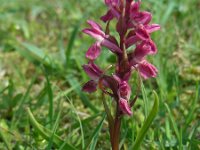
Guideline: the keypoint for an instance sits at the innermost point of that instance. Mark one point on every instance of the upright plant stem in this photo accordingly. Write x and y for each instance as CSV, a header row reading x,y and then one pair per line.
x,y
116,131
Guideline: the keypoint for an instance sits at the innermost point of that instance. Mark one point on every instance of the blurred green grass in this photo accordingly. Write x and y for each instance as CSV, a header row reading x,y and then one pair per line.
x,y
41,53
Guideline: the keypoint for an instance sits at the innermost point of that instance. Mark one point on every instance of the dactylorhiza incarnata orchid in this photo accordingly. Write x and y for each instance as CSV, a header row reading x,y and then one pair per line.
x,y
134,28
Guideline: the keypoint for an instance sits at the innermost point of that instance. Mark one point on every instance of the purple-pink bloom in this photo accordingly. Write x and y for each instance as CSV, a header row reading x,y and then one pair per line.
x,y
93,71
147,70
124,90
102,39
113,11
142,33
124,106
90,86
134,29
94,51
95,31
141,17
143,49
152,28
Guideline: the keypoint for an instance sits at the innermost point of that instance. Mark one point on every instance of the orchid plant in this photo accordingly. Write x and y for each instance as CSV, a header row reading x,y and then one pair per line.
x,y
134,30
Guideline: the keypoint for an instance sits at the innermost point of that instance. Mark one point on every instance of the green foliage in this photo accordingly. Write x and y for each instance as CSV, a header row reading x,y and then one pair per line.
x,y
41,53
146,124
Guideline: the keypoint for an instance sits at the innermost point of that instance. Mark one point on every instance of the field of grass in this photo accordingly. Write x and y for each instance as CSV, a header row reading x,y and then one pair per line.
x,y
42,50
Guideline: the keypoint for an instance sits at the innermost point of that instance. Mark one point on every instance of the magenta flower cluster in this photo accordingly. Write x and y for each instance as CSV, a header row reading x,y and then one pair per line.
x,y
134,29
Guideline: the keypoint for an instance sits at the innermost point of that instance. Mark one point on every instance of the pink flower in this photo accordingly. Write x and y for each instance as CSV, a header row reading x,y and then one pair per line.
x,y
90,86
141,33
134,31
152,28
124,90
102,39
134,8
93,71
113,11
141,50
124,106
95,31
94,51
141,17
147,70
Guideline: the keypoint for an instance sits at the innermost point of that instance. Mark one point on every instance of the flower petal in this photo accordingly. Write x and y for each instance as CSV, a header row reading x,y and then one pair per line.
x,y
113,5
142,17
94,51
95,31
94,25
141,51
90,86
124,90
124,107
142,33
94,34
147,70
134,7
110,45
93,71
111,83
153,27
151,46
107,17
131,41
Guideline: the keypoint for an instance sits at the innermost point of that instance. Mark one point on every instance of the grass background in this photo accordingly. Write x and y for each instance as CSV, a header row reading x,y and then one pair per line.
x,y
41,53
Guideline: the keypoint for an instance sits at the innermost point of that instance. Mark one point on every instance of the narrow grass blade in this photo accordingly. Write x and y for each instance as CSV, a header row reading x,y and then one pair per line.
x,y
50,97
20,109
54,129
36,53
147,123
47,134
123,139
193,107
145,98
85,121
71,43
174,125
80,123
3,136
94,137
169,11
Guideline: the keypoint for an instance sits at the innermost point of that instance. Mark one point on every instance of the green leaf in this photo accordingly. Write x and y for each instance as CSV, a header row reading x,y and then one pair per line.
x,y
47,134
169,11
50,98
85,121
145,98
36,53
71,43
54,129
94,137
80,122
19,112
174,125
193,107
147,123
4,136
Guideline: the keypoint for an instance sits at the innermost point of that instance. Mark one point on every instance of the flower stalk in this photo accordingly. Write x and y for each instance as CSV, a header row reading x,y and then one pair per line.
x,y
134,28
